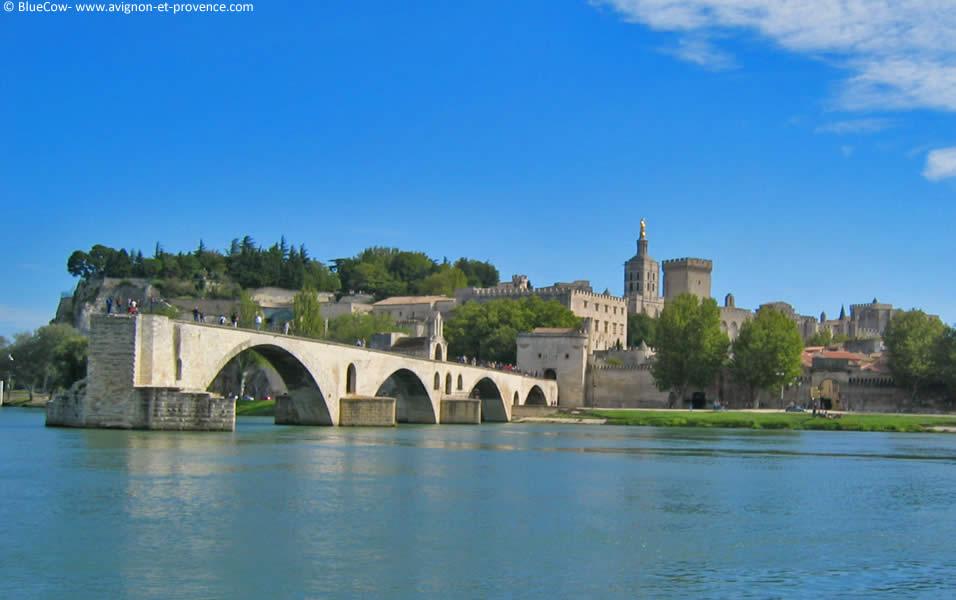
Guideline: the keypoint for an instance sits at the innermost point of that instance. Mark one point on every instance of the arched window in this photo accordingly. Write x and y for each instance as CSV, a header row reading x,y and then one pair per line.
x,y
448,383
437,381
461,383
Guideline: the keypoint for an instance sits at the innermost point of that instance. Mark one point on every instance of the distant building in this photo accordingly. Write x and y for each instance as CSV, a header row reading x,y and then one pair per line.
x,y
604,315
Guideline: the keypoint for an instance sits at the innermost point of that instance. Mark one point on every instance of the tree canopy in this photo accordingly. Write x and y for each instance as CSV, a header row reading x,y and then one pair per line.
x,y
766,353
386,272
488,331
244,264
912,344
641,328
690,346
51,358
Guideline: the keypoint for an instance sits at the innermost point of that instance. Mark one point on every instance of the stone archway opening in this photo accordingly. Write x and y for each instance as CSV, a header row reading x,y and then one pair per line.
x,y
412,402
350,380
550,374
270,372
461,383
448,383
516,400
439,354
536,397
492,403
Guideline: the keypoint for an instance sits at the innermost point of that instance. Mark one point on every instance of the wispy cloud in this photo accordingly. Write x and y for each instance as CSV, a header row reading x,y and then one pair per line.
x,y
855,126
702,52
900,53
940,164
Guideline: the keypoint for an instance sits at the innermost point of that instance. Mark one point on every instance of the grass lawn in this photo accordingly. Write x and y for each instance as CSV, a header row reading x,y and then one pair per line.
x,y
256,408
773,420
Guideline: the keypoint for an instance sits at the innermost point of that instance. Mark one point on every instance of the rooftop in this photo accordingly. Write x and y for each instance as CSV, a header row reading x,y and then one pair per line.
x,y
394,300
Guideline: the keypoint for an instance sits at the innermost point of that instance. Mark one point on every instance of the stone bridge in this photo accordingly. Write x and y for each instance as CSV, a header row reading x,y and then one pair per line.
x,y
150,372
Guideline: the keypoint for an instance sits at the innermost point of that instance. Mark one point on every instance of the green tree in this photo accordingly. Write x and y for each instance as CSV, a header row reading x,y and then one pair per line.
x,y
766,353
443,282
911,338
489,331
690,346
348,329
641,328
478,273
248,309
52,358
944,360
307,311
824,337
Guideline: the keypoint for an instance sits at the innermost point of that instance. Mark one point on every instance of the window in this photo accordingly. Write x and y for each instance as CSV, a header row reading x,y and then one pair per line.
x,y
567,356
585,304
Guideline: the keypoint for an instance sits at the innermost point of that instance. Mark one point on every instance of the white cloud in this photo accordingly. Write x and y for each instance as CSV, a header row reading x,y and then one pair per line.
x,y
855,126
900,53
702,52
940,164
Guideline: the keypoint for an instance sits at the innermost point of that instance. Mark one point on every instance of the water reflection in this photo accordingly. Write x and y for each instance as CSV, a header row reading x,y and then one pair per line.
x,y
489,511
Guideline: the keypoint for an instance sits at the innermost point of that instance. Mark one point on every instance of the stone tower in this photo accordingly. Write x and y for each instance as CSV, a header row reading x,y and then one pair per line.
x,y
642,280
687,276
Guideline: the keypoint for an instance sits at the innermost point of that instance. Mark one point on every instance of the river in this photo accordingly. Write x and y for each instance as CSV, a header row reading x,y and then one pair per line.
x,y
507,510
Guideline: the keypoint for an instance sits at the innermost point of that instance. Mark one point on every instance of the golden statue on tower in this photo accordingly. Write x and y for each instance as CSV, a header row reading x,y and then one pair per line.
x,y
643,229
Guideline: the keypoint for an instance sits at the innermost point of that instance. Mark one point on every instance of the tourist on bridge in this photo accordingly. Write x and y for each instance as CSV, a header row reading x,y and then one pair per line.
x,y
285,328
222,319
109,305
258,322
235,320
195,313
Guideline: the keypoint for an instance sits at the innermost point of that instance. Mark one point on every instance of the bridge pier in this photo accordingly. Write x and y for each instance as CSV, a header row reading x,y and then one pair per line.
x,y
460,411
358,411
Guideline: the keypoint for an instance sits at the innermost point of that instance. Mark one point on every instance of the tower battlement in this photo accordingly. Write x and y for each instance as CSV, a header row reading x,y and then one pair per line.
x,y
692,263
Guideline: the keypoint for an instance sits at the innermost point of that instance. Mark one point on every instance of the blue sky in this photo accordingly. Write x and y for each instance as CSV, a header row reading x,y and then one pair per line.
x,y
810,152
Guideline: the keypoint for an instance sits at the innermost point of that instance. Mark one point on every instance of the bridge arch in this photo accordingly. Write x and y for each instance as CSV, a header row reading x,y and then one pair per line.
x,y
536,397
492,402
413,404
301,383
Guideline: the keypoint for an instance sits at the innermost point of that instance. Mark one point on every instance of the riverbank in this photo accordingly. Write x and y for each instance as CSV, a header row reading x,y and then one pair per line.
x,y
21,399
772,420
256,408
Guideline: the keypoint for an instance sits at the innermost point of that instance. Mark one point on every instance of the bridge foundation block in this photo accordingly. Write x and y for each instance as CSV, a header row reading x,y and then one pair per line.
x,y
460,411
361,411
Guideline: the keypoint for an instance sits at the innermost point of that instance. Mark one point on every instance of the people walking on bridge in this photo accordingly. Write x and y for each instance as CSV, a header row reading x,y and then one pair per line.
x,y
258,322
235,320
195,313
109,305
285,328
222,319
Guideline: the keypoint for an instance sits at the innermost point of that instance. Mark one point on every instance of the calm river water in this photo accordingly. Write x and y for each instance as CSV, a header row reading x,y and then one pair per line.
x,y
524,511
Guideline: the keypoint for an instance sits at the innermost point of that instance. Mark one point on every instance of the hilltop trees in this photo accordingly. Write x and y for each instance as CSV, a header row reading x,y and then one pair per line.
x,y
386,272
245,265
912,340
766,354
489,331
690,346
